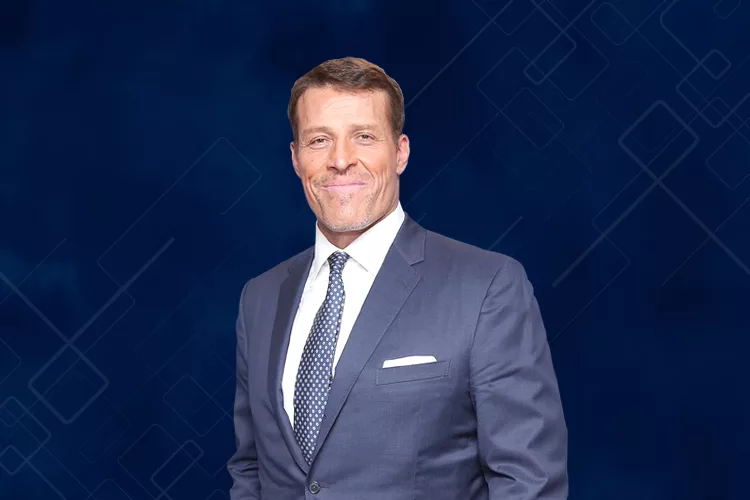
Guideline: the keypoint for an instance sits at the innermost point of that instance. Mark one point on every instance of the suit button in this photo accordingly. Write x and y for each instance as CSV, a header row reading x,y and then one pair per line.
x,y
314,487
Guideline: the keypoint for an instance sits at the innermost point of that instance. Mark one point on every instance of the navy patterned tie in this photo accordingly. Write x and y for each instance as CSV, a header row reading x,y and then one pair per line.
x,y
315,369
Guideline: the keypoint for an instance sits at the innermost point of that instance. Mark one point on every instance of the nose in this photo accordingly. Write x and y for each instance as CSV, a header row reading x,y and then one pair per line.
x,y
343,155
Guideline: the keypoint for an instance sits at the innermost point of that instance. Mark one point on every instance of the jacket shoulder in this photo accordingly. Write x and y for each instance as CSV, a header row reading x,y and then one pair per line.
x,y
455,253
276,274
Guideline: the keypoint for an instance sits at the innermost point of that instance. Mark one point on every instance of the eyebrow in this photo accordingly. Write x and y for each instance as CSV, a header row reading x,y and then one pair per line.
x,y
323,128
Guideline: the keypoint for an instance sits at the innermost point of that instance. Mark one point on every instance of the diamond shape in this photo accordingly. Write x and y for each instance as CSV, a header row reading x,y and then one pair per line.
x,y
68,384
11,460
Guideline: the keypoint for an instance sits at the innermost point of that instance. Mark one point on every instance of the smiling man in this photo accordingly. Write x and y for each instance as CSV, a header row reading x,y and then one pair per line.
x,y
387,361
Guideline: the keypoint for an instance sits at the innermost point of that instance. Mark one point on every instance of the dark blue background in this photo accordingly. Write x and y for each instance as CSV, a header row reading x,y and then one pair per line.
x,y
145,175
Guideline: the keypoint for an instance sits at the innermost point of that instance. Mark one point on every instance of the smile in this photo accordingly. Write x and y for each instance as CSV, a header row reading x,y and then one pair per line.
x,y
343,187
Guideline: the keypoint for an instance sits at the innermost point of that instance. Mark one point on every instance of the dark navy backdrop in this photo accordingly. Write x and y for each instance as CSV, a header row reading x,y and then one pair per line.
x,y
145,176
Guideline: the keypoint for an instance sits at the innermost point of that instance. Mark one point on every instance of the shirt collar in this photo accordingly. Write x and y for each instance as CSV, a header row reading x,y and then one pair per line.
x,y
368,250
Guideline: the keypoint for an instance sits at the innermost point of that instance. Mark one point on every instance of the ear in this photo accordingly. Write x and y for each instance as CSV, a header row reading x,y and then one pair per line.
x,y
402,153
295,160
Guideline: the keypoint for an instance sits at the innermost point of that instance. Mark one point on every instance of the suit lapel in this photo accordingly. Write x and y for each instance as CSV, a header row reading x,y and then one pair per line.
x,y
392,286
290,294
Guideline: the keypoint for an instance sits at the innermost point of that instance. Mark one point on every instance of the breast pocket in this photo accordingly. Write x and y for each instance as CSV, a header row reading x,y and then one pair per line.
x,y
409,373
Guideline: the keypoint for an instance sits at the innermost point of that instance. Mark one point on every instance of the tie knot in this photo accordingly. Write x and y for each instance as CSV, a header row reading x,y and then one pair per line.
x,y
337,261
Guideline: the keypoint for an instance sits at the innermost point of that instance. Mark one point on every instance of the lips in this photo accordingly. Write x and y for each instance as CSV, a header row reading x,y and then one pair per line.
x,y
342,184
343,187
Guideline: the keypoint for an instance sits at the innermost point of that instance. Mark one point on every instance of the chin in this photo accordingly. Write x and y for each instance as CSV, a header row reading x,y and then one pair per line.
x,y
345,224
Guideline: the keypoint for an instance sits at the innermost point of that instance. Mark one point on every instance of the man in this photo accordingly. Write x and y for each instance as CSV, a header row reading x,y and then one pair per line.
x,y
387,362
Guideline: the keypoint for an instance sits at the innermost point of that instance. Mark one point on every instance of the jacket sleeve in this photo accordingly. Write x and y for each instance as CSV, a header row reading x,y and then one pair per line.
x,y
522,435
243,465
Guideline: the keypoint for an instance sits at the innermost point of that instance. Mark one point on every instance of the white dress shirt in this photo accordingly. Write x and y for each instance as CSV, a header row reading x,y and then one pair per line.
x,y
366,255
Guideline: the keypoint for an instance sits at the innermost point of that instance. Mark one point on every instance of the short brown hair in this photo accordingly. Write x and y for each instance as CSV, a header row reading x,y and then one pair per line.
x,y
350,74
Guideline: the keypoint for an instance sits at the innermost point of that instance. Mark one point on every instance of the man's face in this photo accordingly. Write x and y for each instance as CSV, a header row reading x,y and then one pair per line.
x,y
347,158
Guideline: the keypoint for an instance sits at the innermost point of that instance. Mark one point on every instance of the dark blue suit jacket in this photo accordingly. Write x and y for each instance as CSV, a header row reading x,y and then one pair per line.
x,y
483,422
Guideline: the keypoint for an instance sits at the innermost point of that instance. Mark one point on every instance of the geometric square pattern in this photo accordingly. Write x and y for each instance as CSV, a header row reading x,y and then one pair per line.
x,y
579,67
68,384
9,361
701,83
532,118
650,140
731,160
146,456
21,435
176,466
725,8
194,405
552,56
11,460
109,490
508,15
716,63
611,23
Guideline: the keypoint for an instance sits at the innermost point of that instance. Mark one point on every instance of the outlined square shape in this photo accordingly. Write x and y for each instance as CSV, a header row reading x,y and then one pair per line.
x,y
712,113
730,163
676,148
526,112
10,460
580,69
194,405
7,418
68,384
612,23
548,60
698,102
55,368
9,361
514,15
104,437
716,64
10,411
492,7
26,436
701,82
109,490
192,449
146,455
657,113
176,466
567,9
720,107
725,8
654,129
28,433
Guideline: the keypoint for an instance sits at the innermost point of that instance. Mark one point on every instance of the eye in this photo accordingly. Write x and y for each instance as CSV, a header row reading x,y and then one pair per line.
x,y
365,136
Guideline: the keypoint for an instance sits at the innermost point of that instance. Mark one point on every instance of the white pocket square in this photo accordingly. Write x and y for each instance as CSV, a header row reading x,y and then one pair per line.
x,y
408,360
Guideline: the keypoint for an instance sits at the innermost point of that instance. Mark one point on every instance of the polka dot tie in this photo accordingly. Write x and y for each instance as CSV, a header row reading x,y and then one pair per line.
x,y
316,367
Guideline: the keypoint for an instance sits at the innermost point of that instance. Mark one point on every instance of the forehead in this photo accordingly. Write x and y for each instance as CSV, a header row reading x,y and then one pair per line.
x,y
321,104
